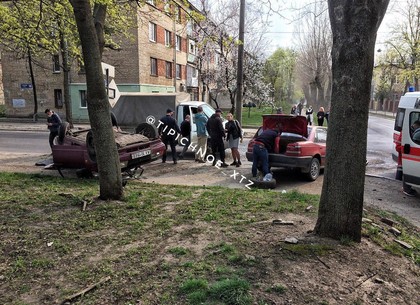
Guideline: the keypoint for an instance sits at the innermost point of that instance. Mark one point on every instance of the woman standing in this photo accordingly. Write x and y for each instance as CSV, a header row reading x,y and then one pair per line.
x,y
320,116
309,115
234,133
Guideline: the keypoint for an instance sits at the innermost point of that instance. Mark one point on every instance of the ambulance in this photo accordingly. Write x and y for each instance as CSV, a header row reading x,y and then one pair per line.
x,y
408,112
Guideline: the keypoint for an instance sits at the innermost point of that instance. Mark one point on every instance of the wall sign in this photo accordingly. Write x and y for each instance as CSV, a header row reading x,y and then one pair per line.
x,y
25,86
18,103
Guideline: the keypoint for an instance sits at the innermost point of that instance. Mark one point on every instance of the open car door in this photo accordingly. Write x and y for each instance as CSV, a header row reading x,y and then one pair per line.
x,y
411,149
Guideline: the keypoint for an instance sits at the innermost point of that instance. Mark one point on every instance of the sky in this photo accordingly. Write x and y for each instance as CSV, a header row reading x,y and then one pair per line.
x,y
282,31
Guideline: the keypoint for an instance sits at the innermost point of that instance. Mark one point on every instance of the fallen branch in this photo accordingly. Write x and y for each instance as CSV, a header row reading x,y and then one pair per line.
x,y
81,293
320,260
366,280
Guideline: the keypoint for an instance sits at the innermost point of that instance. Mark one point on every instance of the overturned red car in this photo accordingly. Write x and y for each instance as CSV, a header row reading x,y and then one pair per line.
x,y
75,149
299,146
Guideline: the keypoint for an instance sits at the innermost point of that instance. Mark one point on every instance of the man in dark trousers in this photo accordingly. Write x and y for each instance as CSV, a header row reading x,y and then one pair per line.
x,y
53,123
217,134
168,130
263,144
186,135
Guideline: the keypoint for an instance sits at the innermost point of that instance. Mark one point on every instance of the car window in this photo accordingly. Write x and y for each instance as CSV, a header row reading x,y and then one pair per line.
x,y
321,135
415,118
399,119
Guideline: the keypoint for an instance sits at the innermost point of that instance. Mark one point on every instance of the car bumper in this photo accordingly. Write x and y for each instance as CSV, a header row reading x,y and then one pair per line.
x,y
276,160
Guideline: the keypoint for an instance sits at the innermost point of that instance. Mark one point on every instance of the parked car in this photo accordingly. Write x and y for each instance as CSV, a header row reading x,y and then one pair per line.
x,y
75,149
298,147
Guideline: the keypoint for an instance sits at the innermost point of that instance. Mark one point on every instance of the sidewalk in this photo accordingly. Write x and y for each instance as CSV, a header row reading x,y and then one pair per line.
x,y
26,124
387,114
16,124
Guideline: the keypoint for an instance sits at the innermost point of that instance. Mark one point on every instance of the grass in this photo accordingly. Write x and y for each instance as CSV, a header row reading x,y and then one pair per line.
x,y
161,244
252,116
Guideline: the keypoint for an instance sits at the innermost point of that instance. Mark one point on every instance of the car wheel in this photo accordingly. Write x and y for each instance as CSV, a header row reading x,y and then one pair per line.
x,y
90,146
148,130
314,170
84,173
62,131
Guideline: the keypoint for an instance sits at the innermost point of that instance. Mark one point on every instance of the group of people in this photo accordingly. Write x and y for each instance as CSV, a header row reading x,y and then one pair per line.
x,y
206,127
320,116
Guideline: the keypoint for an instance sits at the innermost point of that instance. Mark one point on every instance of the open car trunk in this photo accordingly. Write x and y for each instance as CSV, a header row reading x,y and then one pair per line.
x,y
289,123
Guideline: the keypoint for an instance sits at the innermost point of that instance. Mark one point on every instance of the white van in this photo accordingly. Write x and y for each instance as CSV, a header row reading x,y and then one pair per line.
x,y
190,108
408,112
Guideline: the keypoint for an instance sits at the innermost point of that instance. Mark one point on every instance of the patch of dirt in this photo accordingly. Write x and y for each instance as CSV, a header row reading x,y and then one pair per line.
x,y
357,274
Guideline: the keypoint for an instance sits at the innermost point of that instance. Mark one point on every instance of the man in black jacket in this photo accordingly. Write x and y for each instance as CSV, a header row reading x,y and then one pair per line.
x,y
217,134
168,130
186,135
53,123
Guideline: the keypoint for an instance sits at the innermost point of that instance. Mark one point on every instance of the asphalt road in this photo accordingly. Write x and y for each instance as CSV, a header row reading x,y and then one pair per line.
x,y
379,145
28,142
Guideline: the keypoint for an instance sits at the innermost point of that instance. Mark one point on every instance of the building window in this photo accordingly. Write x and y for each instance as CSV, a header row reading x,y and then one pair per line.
x,y
153,66
58,98
56,64
152,32
83,99
168,38
192,49
178,14
168,69
178,71
167,7
178,43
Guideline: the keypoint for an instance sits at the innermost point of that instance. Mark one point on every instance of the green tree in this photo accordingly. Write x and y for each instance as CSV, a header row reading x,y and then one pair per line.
x,y
405,42
280,71
354,26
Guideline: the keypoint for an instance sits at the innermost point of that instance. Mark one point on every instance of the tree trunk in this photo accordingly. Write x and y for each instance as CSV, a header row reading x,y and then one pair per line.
x,y
66,78
31,71
98,106
354,25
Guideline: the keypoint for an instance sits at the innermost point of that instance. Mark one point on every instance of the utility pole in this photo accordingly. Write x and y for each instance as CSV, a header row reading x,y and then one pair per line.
x,y
174,43
240,74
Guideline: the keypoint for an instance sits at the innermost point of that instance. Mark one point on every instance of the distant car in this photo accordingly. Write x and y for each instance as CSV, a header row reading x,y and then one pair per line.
x,y
75,149
298,147
249,104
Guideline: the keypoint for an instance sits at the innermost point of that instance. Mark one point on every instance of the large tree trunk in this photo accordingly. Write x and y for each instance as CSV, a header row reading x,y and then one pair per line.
x,y
98,105
354,26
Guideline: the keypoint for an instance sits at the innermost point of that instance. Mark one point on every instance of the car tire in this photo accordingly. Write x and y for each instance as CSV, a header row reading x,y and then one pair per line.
x,y
313,170
62,131
90,146
147,130
84,173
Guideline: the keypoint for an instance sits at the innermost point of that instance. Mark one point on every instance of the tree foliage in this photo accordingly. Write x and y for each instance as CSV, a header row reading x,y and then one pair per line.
x,y
404,43
314,49
279,71
218,44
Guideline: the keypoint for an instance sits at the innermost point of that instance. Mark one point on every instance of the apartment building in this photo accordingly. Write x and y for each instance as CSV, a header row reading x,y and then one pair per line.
x,y
159,57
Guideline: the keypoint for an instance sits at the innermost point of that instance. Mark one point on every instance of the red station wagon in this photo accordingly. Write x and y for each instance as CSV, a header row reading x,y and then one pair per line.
x,y
298,147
